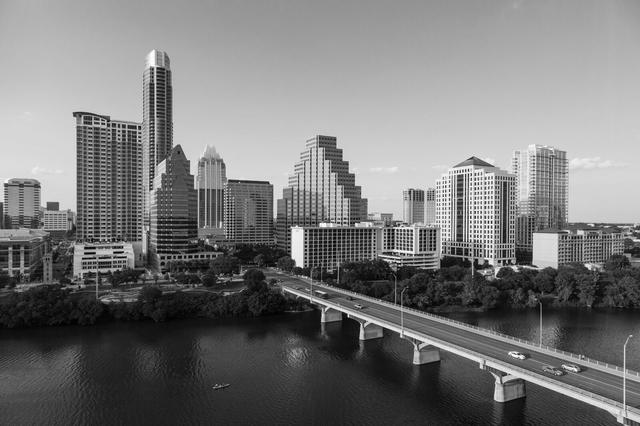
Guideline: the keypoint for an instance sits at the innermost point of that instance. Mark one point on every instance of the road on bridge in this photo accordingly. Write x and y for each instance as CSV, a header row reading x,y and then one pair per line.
x,y
607,385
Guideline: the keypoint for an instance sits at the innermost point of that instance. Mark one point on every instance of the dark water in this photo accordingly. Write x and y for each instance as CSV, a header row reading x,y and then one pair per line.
x,y
283,370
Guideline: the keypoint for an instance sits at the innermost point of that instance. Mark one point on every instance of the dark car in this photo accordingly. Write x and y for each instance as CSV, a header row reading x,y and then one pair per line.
x,y
552,370
351,298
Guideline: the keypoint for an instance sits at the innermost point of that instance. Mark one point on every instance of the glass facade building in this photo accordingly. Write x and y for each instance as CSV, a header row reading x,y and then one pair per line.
x,y
321,189
210,182
248,212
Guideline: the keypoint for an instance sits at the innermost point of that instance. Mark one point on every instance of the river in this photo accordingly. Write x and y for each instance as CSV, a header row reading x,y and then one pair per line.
x,y
287,369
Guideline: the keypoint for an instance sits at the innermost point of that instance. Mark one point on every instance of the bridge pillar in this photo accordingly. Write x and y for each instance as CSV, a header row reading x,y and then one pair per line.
x,y
508,388
424,353
330,315
369,331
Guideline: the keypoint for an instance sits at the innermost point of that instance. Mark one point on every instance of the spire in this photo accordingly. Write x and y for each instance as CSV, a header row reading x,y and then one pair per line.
x,y
210,153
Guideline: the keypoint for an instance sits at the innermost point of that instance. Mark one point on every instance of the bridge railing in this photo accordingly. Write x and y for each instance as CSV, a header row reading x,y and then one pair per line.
x,y
485,331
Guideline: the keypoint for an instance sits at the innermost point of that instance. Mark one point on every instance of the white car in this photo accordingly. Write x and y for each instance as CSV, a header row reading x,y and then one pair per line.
x,y
358,306
571,367
517,355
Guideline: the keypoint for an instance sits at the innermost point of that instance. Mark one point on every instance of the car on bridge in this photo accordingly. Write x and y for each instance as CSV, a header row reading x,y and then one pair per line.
x,y
351,298
571,367
517,355
358,306
552,370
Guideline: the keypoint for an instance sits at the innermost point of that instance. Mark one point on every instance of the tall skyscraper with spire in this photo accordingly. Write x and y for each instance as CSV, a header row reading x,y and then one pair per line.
x,y
212,176
321,189
157,119
542,178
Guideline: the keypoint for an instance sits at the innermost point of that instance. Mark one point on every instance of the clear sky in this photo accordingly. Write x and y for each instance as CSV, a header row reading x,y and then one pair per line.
x,y
408,87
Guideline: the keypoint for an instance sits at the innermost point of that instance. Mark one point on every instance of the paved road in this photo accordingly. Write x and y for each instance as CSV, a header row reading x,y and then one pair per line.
x,y
598,382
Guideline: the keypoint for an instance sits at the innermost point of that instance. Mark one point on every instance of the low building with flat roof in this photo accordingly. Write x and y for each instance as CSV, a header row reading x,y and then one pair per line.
x,y
558,247
102,258
329,245
21,251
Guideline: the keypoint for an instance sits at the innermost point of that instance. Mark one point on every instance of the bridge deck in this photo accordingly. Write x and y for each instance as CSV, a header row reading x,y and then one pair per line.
x,y
595,383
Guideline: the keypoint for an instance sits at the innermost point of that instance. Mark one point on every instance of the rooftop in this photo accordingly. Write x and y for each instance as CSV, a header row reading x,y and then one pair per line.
x,y
473,161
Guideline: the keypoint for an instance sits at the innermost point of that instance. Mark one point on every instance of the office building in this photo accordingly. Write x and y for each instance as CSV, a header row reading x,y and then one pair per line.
x,y
173,231
476,211
102,257
413,206
56,223
157,119
109,179
380,219
210,182
329,245
1,215
555,248
53,205
542,179
22,203
321,189
414,245
248,212
430,206
21,251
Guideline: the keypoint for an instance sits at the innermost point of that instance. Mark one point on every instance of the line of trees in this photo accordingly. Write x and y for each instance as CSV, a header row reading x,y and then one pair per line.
x,y
617,285
54,305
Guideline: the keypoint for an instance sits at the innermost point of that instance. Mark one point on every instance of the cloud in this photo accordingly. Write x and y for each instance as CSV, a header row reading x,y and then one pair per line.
x,y
384,170
37,170
594,163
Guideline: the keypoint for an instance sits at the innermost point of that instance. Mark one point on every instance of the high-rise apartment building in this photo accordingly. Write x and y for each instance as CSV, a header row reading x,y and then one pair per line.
x,y
476,212
430,206
413,206
542,179
174,210
321,189
157,119
1,215
108,179
22,203
210,182
248,212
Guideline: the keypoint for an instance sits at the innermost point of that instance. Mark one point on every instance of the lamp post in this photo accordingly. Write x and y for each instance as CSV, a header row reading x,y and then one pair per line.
x,y
624,375
540,303
402,312
395,289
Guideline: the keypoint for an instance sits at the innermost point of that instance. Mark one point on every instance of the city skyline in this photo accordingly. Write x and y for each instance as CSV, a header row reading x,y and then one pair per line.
x,y
482,79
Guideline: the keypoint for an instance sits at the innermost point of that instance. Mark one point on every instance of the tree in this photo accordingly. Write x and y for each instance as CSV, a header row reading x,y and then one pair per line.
x,y
565,286
286,263
254,280
209,279
544,282
259,260
4,279
225,265
617,262
587,286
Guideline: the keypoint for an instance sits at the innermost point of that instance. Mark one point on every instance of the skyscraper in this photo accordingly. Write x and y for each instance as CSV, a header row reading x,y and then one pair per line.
x,y
542,179
212,176
430,206
248,212
321,189
157,118
53,205
476,211
108,179
413,206
22,203
173,210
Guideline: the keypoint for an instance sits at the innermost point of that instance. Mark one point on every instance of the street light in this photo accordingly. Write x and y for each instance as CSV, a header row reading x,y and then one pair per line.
x,y
624,375
395,289
402,312
540,303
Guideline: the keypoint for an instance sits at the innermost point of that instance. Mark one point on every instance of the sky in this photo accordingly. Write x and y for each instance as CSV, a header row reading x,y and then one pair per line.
x,y
409,88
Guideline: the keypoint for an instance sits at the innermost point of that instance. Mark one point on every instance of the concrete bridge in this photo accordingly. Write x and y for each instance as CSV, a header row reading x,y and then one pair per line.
x,y
599,384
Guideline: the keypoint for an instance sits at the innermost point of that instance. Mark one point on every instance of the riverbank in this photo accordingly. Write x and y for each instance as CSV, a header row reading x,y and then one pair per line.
x,y
54,306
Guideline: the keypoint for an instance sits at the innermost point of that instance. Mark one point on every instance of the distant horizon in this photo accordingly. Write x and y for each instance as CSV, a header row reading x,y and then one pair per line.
x,y
406,88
